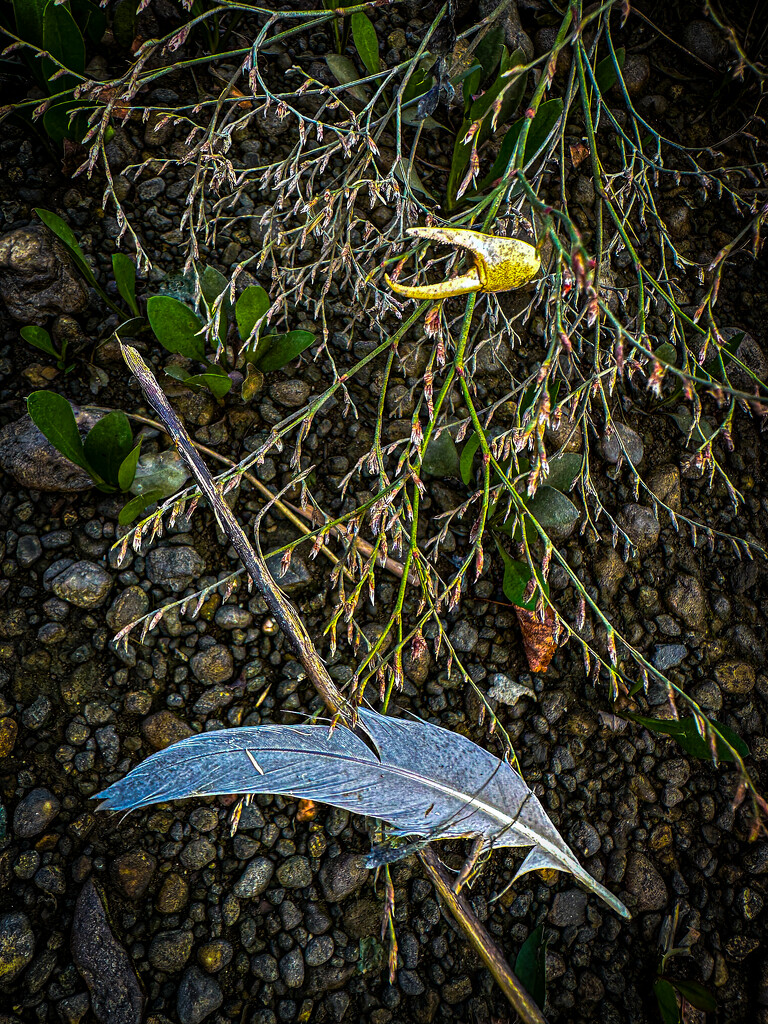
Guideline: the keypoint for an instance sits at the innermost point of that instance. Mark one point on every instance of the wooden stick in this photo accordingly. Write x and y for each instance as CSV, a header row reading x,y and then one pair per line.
x,y
296,634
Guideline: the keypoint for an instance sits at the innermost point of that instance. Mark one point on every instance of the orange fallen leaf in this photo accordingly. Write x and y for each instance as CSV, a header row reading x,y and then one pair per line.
x,y
538,638
307,810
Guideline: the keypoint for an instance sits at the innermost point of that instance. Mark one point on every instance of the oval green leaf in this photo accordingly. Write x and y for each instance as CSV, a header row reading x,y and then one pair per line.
x,y
285,348
107,444
136,506
251,306
53,417
176,327
366,42
127,470
40,338
124,271
64,233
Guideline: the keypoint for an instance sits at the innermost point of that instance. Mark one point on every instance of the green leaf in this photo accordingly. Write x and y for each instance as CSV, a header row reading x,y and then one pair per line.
x,y
90,18
366,42
605,72
667,1000
250,307
130,328
479,107
468,457
344,71
177,372
218,384
66,120
64,233
29,19
176,327
133,509
517,576
420,81
40,338
124,271
124,23
563,470
252,383
687,735
212,284
127,470
548,115
552,509
107,444
531,966
405,167
64,41
666,353
284,349
441,458
684,419
695,994
53,417
489,50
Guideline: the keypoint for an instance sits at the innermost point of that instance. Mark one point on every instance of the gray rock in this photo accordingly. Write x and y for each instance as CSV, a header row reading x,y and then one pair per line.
x,y
198,854
34,463
668,625
610,570
585,839
296,576
174,566
319,950
705,40
264,966
17,945
708,695
51,879
28,550
292,968
34,813
73,1009
636,73
169,951
686,599
232,616
106,968
295,873
752,356
666,656
640,525
619,434
37,279
255,879
507,691
734,676
214,665
568,908
198,997
464,637
342,876
128,606
150,189
290,393
664,482
644,882
83,584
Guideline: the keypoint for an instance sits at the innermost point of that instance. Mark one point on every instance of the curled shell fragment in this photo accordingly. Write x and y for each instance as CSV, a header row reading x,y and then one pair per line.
x,y
499,264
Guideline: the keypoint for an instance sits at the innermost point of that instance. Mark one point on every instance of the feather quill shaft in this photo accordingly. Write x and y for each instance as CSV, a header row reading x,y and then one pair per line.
x,y
422,780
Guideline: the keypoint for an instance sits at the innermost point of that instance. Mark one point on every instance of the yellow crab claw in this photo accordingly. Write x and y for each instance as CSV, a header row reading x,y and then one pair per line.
x,y
499,264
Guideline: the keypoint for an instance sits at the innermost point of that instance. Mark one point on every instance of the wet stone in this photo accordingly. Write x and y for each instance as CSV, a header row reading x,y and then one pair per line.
x,y
8,732
162,729
17,945
319,950
169,951
585,839
610,570
295,873
35,813
290,393
664,482
128,606
708,695
232,616
133,872
640,525
198,854
28,550
619,434
457,990
174,567
342,876
198,997
264,966
214,665
645,883
464,637
686,600
292,968
215,956
83,584
666,656
173,895
255,879
568,908
735,677
295,578
116,997
410,983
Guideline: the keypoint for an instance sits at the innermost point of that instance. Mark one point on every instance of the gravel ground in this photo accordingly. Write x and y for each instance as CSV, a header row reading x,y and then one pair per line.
x,y
164,915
